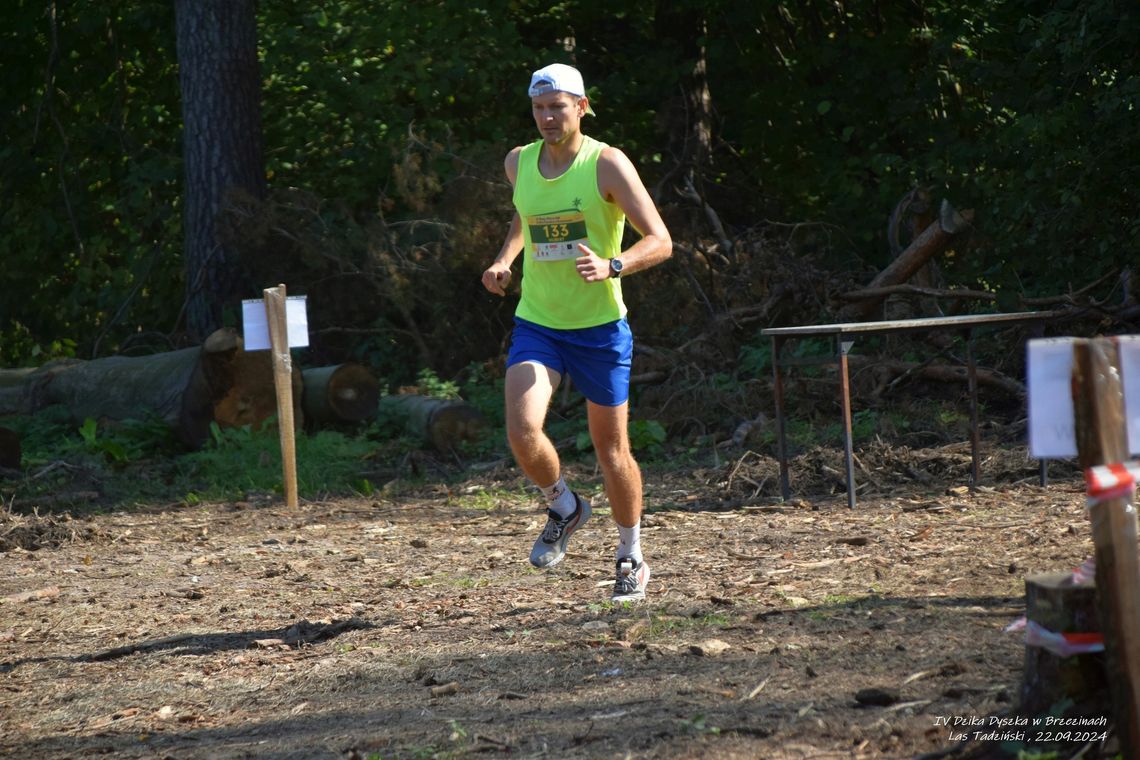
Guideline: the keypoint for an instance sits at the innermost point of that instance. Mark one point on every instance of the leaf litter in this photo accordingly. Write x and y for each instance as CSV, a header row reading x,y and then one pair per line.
x,y
413,626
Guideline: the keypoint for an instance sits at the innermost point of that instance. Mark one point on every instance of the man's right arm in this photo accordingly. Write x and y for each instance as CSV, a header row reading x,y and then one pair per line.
x,y
497,277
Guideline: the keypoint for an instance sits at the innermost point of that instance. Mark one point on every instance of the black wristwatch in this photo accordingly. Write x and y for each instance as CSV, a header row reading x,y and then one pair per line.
x,y
615,267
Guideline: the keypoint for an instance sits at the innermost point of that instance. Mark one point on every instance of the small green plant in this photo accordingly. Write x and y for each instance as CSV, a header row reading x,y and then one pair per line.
x,y
458,732
698,725
112,450
864,424
430,385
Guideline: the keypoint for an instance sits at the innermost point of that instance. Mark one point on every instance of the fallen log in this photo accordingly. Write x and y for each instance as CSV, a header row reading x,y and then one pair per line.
x,y
444,423
342,393
934,239
187,389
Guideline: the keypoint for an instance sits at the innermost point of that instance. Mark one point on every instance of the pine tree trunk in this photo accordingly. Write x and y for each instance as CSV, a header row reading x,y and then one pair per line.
x,y
222,145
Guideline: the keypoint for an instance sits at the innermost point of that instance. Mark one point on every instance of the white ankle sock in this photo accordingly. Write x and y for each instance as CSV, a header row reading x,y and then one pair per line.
x,y
561,498
629,542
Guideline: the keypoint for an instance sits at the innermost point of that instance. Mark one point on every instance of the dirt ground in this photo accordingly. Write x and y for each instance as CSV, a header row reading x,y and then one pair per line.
x,y
410,625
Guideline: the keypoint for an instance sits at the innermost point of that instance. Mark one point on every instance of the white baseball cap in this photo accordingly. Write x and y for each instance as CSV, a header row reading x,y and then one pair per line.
x,y
558,77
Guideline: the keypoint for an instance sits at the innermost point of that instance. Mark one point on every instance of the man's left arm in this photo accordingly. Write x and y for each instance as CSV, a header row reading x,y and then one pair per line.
x,y
619,182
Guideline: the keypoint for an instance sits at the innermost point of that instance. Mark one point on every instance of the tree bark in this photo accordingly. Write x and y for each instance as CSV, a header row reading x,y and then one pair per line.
x,y
10,456
933,240
343,393
443,423
222,145
1060,605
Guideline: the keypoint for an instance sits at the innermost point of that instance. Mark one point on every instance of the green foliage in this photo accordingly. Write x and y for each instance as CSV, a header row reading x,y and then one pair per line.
x,y
429,384
89,180
647,435
755,360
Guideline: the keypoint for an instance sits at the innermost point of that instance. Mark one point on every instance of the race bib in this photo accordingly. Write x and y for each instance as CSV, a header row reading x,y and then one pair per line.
x,y
556,236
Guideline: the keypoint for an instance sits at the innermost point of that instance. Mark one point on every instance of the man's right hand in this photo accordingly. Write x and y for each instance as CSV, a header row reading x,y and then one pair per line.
x,y
497,278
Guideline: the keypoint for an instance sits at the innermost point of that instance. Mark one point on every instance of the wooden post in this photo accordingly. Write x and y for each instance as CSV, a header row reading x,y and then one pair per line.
x,y
1098,407
278,324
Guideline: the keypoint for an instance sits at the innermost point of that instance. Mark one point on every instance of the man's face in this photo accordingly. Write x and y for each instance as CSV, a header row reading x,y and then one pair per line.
x,y
557,115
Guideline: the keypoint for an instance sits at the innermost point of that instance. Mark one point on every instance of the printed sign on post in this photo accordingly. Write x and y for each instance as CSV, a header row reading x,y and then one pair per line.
x,y
1130,378
255,328
1052,434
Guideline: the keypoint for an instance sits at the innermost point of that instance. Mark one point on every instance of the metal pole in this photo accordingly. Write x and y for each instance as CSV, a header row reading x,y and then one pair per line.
x,y
975,440
845,399
778,396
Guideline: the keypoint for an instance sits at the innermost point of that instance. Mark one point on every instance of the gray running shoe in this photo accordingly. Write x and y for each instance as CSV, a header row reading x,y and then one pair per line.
x,y
550,547
631,580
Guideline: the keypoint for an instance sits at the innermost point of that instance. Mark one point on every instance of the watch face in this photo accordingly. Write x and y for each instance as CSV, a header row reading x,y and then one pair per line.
x,y
615,267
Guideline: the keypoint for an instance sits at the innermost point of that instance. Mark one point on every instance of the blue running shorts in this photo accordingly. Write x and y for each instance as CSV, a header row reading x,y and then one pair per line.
x,y
596,358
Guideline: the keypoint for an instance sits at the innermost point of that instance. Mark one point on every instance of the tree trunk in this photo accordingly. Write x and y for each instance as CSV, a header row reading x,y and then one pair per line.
x,y
222,144
933,240
343,393
442,422
187,389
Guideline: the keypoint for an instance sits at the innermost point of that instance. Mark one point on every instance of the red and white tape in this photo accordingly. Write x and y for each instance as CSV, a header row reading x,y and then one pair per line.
x,y
1060,644
1112,481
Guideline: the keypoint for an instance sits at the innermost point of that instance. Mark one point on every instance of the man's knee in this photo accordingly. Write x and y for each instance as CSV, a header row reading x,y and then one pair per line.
x,y
614,456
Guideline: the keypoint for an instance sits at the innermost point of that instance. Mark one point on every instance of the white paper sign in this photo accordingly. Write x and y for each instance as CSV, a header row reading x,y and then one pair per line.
x,y
1130,376
1051,420
1050,369
255,323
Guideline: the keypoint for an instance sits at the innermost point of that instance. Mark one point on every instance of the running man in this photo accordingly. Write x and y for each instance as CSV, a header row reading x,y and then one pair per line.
x,y
572,197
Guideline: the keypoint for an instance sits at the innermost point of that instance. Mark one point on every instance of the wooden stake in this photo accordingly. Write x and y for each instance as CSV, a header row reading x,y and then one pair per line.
x,y
278,324
1098,406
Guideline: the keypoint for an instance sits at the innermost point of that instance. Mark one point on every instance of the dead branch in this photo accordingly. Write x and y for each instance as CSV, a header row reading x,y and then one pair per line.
x,y
690,193
934,239
1068,299
30,596
942,373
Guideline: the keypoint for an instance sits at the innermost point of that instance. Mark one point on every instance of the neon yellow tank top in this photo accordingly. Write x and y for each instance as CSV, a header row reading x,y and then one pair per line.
x,y
558,214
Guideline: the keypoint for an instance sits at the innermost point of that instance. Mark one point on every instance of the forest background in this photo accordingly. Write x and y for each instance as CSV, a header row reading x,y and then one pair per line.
x,y
776,137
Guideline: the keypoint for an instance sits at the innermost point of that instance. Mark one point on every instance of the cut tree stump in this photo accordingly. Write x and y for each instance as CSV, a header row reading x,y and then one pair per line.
x,y
187,389
444,423
340,394
1057,604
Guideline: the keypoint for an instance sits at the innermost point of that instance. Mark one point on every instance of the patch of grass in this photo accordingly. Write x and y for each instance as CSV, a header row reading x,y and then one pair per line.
x,y
662,625
466,582
488,499
239,461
